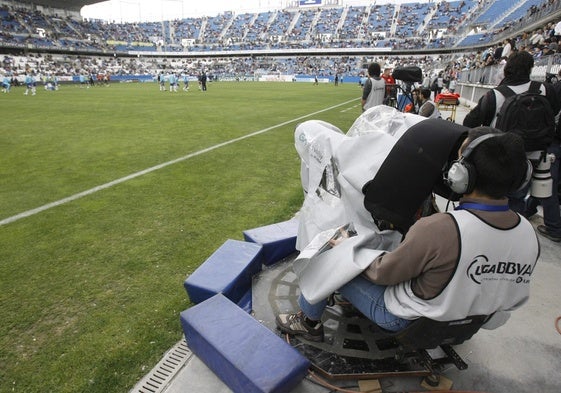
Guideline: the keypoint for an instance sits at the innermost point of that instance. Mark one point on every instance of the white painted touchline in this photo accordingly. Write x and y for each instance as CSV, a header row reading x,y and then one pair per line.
x,y
155,168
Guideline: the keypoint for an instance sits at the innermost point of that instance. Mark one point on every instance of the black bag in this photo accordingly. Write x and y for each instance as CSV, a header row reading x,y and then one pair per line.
x,y
529,115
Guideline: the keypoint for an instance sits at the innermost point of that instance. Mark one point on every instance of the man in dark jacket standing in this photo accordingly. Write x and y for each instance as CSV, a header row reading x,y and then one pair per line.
x,y
517,77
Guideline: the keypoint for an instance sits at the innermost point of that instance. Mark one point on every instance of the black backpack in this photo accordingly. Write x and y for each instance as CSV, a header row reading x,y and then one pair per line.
x,y
529,115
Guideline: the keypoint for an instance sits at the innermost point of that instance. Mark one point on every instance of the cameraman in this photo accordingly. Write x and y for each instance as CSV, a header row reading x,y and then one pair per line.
x,y
427,108
374,90
449,265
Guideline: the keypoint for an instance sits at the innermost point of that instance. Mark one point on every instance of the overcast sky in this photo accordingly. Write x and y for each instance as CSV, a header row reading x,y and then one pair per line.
x,y
158,10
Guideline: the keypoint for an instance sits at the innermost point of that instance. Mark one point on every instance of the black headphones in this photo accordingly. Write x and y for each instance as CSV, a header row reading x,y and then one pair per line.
x,y
461,175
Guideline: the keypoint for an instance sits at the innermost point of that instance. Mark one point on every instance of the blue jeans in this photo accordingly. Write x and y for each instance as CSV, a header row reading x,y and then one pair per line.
x,y
367,297
550,205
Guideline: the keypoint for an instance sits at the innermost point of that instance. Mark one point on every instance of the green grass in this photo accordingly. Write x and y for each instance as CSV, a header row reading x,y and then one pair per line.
x,y
91,290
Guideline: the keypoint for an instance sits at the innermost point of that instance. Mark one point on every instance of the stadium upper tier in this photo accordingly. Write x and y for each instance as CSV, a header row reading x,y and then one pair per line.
x,y
433,25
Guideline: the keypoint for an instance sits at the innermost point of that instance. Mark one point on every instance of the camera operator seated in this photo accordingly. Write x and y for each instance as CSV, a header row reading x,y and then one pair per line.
x,y
476,260
427,108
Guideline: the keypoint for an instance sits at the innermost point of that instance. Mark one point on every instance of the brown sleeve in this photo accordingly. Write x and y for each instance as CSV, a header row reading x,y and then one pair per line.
x,y
428,256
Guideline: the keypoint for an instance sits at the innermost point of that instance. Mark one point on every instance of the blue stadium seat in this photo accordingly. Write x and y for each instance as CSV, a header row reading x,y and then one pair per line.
x,y
244,354
495,10
228,270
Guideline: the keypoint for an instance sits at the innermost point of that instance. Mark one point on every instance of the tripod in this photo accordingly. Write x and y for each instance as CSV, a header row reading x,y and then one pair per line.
x,y
406,96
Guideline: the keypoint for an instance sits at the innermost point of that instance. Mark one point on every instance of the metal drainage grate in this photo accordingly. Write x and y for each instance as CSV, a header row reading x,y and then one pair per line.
x,y
161,375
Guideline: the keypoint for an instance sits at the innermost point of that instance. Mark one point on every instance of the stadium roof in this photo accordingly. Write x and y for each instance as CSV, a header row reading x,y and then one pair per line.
x,y
72,5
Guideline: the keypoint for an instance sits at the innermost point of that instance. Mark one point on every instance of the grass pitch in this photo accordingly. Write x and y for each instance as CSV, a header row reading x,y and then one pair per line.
x,y
91,289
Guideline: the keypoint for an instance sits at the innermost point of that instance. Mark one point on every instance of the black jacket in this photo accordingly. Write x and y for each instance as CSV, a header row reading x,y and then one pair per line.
x,y
484,111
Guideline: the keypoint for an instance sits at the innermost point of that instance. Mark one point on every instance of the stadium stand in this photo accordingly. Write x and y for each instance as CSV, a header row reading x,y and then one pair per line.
x,y
459,39
431,34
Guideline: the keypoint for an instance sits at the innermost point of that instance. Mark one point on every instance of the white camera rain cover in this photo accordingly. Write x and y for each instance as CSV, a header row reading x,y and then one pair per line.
x,y
336,166
322,268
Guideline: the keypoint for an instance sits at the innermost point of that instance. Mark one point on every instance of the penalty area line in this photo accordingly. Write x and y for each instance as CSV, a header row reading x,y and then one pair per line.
x,y
93,190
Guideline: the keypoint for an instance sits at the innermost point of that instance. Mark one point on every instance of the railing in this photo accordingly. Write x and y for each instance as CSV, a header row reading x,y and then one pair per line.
x,y
476,82
492,75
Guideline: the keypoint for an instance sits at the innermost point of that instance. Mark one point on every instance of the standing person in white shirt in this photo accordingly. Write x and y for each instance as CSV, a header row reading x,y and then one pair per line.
x,y
507,49
374,90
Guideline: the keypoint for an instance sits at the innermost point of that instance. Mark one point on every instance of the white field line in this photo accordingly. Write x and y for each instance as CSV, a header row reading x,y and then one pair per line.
x,y
350,108
156,167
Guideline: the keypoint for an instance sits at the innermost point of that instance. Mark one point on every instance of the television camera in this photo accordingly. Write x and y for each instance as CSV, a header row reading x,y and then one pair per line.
x,y
408,75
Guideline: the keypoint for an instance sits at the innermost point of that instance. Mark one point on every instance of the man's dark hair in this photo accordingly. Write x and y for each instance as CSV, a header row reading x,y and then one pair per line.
x,y
374,69
425,92
500,163
519,64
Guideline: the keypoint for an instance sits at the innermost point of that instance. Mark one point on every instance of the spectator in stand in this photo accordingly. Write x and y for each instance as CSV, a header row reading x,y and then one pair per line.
x,y
549,31
507,48
557,30
498,54
547,50
537,38
554,45
524,41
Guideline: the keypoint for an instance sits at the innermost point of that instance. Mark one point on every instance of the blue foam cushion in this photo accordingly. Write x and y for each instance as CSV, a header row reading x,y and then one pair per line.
x,y
278,240
229,270
244,354
246,301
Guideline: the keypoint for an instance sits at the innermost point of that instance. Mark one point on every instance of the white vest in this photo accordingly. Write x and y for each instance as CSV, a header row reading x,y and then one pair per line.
x,y
435,113
377,93
493,274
